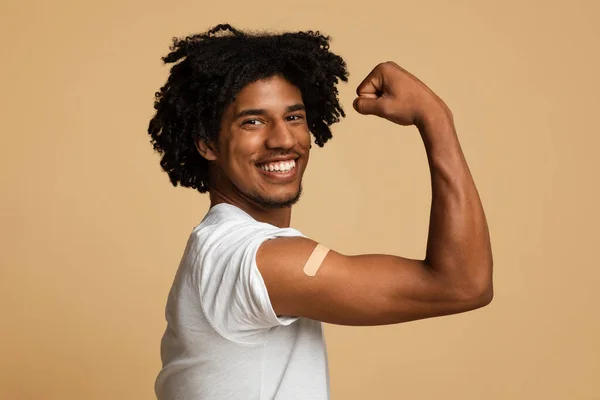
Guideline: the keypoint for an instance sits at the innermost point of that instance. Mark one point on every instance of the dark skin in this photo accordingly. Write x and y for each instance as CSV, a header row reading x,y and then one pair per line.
x,y
370,289
266,122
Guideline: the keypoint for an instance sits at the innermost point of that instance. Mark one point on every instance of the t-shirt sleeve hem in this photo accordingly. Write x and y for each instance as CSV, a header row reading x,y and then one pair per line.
x,y
281,320
258,334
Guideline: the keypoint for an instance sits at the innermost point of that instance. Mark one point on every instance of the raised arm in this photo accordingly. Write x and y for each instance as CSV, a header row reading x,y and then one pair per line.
x,y
456,273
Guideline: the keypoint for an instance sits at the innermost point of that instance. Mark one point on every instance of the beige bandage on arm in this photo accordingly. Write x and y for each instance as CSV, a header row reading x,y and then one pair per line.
x,y
316,258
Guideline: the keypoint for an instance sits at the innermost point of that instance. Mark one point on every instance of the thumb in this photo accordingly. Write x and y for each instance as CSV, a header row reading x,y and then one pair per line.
x,y
368,105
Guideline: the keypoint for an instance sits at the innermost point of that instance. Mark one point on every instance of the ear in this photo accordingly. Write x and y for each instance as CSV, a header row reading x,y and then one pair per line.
x,y
206,150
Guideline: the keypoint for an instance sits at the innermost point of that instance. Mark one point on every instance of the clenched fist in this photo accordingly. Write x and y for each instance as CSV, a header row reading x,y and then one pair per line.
x,y
391,92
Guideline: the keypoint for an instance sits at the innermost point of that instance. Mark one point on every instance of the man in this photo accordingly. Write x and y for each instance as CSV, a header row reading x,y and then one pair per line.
x,y
244,314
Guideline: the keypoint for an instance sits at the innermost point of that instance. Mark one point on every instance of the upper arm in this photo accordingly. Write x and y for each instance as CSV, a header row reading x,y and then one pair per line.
x,y
354,290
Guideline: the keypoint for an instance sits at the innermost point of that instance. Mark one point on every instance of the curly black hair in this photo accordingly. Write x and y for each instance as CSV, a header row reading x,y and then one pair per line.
x,y
209,71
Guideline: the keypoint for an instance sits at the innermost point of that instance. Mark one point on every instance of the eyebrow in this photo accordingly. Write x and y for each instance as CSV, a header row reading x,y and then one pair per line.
x,y
259,111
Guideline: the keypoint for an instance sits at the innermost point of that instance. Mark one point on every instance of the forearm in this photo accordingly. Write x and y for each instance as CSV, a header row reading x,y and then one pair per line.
x,y
458,245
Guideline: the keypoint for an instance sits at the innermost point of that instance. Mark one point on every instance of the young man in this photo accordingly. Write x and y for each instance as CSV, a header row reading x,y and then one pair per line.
x,y
244,314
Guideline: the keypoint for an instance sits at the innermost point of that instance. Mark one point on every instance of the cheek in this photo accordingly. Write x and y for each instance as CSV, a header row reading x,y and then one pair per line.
x,y
242,150
304,137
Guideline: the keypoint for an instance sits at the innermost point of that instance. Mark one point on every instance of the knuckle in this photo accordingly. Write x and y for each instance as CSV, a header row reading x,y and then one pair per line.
x,y
395,64
382,65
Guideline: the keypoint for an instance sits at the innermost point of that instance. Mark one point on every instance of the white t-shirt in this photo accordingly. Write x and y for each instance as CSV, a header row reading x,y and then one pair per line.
x,y
223,340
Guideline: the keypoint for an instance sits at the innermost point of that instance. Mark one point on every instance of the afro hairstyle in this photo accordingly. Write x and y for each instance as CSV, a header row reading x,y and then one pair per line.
x,y
210,69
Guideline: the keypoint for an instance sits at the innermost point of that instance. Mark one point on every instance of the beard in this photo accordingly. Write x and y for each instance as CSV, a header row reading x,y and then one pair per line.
x,y
274,203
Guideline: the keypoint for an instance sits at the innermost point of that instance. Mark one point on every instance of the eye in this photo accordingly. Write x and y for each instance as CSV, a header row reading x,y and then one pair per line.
x,y
295,117
252,122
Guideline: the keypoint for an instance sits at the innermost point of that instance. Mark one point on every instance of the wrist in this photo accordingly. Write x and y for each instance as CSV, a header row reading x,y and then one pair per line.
x,y
435,118
437,130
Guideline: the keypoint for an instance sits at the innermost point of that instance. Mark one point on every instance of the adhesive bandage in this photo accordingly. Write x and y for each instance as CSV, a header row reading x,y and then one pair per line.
x,y
316,258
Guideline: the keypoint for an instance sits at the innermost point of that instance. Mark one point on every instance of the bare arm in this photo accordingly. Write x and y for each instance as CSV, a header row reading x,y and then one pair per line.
x,y
458,246
456,273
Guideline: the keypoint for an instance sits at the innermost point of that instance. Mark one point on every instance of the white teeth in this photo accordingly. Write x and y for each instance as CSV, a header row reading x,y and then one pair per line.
x,y
283,166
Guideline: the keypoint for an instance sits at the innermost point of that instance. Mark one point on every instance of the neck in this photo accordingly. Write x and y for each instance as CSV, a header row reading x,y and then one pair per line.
x,y
279,217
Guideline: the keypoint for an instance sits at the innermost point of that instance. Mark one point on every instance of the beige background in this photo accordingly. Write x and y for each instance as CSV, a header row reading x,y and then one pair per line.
x,y
92,231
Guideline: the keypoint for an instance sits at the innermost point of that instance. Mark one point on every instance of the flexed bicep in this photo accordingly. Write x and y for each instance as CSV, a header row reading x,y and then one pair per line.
x,y
352,290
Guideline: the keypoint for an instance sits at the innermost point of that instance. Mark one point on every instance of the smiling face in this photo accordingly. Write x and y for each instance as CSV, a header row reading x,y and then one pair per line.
x,y
263,146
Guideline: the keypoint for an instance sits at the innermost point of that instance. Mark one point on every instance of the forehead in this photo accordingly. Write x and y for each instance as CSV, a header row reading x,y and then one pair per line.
x,y
268,94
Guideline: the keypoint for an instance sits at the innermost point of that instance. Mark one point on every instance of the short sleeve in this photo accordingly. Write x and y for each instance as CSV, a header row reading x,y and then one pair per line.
x,y
233,294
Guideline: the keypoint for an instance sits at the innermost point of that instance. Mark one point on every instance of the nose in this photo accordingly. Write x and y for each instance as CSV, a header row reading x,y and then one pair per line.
x,y
280,136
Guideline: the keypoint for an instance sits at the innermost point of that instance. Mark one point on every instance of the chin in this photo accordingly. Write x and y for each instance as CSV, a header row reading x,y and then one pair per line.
x,y
283,201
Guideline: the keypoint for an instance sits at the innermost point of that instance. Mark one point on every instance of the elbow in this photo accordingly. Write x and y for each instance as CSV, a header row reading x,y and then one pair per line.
x,y
484,293
485,296
479,292
475,298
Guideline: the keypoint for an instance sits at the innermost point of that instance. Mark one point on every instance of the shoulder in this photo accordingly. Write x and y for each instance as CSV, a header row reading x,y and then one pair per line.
x,y
226,230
